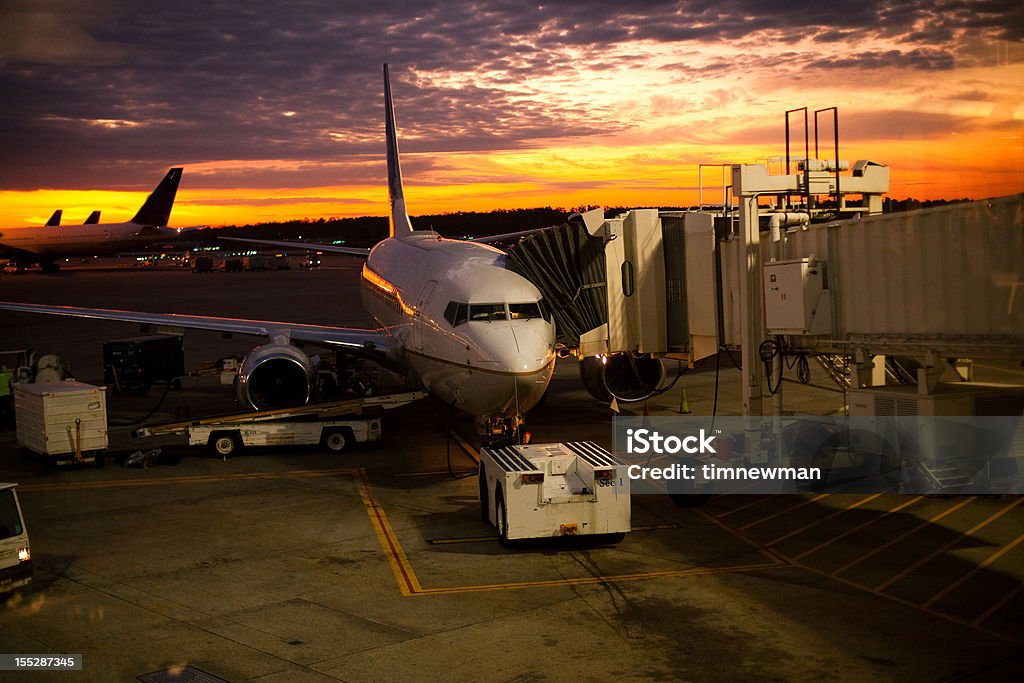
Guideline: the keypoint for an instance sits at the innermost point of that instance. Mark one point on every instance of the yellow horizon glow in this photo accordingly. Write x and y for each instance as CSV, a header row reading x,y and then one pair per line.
x,y
974,166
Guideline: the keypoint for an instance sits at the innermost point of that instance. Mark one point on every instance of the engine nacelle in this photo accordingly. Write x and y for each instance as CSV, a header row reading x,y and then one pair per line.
x,y
275,376
624,376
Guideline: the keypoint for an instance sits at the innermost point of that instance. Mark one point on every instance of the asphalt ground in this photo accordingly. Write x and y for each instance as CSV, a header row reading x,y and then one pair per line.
x,y
297,565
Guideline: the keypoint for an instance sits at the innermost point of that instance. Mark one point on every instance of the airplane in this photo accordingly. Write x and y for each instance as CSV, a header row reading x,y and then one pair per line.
x,y
472,333
93,218
47,243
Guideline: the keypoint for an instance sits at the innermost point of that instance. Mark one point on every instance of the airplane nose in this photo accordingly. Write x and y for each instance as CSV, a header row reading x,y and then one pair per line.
x,y
534,351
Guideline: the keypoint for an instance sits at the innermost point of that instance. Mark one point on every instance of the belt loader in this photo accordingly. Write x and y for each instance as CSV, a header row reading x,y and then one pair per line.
x,y
555,489
336,426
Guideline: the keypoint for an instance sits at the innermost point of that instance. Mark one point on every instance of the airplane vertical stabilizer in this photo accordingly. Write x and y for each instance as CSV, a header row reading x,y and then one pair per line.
x,y
157,209
55,218
399,219
93,218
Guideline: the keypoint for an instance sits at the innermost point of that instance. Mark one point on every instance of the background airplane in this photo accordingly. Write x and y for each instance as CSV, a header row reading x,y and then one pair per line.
x,y
471,332
45,244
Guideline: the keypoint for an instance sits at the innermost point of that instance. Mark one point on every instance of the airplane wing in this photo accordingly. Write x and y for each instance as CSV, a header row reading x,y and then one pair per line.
x,y
308,246
345,337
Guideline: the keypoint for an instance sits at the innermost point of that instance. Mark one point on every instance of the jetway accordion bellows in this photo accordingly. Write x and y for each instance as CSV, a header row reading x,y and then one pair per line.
x,y
568,266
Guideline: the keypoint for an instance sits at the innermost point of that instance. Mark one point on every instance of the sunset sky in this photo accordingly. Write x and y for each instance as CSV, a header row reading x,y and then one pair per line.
x,y
276,109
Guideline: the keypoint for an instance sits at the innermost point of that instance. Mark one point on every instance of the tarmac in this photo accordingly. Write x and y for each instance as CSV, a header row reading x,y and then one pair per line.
x,y
298,565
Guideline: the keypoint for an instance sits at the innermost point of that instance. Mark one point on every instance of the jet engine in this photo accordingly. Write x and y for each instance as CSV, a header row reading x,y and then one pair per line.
x,y
624,376
275,376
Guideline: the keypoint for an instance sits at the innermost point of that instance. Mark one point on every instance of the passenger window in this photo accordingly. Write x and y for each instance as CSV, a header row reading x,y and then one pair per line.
x,y
486,312
523,311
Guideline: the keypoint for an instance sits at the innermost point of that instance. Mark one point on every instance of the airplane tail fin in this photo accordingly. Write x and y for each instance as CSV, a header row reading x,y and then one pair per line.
x,y
93,218
157,209
399,219
55,218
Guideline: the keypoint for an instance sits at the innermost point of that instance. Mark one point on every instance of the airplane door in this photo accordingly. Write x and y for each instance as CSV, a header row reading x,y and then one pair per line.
x,y
417,321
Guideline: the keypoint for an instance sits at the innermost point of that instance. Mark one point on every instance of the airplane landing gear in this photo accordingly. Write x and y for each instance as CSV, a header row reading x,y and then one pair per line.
x,y
504,431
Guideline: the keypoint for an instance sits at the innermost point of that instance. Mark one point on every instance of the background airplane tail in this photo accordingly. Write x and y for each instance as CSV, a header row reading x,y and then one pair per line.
x,y
399,219
157,209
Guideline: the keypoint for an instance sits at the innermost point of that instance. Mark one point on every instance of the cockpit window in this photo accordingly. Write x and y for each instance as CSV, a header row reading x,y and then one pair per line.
x,y
544,310
456,313
524,311
486,312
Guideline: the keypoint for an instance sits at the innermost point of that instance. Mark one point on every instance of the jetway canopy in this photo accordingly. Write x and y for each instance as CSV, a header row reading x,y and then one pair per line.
x,y
567,264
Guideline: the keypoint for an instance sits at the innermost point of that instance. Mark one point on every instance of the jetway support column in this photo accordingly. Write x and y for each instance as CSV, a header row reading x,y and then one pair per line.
x,y
751,322
749,181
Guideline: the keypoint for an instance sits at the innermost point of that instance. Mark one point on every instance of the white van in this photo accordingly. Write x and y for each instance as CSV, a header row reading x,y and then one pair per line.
x,y
15,555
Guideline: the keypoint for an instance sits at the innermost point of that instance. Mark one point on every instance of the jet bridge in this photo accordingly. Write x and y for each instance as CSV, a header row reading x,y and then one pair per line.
x,y
627,292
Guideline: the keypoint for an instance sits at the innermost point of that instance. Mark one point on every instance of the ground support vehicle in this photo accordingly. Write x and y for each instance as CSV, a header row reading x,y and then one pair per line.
x,y
202,264
555,489
135,364
15,552
336,426
63,421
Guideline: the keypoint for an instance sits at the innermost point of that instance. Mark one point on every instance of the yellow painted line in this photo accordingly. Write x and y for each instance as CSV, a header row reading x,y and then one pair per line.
x,y
806,501
434,473
744,507
805,527
167,481
905,534
767,552
963,579
946,546
858,528
584,580
997,606
408,584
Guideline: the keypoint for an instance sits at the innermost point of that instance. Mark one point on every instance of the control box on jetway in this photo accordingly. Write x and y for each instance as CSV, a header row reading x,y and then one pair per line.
x,y
796,297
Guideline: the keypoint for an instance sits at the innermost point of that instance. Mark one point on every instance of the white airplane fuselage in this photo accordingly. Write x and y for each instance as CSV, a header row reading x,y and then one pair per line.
x,y
82,240
496,367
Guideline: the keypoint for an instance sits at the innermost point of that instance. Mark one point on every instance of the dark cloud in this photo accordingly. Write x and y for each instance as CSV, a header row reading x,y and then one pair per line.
x,y
191,82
